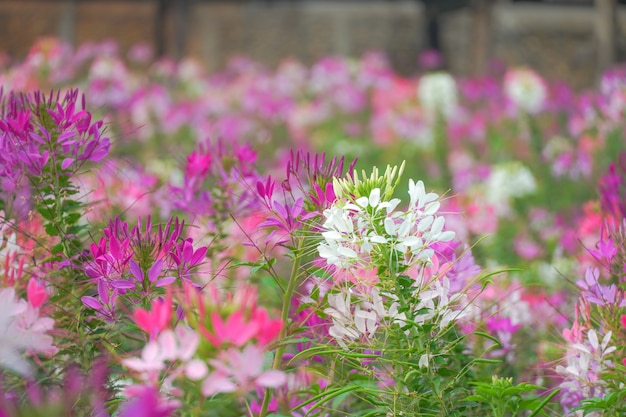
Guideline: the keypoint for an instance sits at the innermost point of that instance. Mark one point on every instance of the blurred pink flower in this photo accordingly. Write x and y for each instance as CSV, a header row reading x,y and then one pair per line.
x,y
241,370
22,331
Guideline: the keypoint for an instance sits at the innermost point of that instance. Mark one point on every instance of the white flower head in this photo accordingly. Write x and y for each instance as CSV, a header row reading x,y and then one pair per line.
x,y
358,230
437,93
526,89
506,181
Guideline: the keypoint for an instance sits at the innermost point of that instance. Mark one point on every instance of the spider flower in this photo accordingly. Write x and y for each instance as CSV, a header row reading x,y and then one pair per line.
x,y
22,330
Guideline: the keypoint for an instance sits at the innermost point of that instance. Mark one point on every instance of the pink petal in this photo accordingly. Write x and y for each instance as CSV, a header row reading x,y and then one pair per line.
x,y
217,383
67,162
91,302
196,369
165,281
271,379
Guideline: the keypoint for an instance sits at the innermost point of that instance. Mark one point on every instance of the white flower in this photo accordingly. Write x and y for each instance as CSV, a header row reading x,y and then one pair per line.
x,y
340,256
354,231
437,93
420,200
526,89
506,181
241,370
438,304
22,331
344,327
369,313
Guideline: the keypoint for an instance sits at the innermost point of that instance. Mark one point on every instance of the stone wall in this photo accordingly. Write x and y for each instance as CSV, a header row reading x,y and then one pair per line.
x,y
559,41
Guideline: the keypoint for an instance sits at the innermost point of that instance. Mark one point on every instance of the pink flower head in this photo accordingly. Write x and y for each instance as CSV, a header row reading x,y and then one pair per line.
x,y
605,252
198,164
241,370
234,330
146,401
498,324
232,318
157,319
575,335
36,293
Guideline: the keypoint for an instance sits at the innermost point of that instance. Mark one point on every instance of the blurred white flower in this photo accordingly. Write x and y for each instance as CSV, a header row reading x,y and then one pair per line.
x,y
506,181
437,93
526,89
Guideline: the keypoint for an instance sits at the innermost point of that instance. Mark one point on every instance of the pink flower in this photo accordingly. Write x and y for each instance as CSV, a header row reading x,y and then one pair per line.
x,y
157,319
36,293
146,402
241,370
177,345
235,330
198,164
22,330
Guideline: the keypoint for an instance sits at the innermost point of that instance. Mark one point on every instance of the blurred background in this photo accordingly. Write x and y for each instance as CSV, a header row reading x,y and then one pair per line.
x,y
571,40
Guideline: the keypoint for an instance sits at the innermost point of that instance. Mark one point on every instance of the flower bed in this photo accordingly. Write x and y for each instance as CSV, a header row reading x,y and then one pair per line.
x,y
324,240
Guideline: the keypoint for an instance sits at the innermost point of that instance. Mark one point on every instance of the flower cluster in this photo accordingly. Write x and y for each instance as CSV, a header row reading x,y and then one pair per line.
x,y
360,230
219,344
596,344
134,263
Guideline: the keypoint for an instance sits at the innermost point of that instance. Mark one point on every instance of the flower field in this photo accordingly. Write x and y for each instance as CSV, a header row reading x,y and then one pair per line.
x,y
324,240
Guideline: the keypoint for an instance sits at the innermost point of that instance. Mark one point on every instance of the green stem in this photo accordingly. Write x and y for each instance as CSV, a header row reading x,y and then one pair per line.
x,y
441,152
284,316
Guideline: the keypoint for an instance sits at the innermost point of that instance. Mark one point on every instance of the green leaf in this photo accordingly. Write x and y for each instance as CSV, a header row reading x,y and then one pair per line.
x,y
544,403
51,229
46,212
488,336
57,249
327,395
71,218
71,205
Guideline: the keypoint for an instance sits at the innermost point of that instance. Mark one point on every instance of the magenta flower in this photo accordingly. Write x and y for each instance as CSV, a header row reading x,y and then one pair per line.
x,y
147,401
198,164
36,293
134,263
37,129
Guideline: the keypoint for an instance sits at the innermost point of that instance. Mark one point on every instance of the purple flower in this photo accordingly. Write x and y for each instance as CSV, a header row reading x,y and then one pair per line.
x,y
596,293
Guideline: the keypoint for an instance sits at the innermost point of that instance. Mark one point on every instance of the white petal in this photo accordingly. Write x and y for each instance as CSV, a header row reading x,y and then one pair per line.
x,y
425,223
374,197
593,338
412,241
390,226
362,202
332,235
347,252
